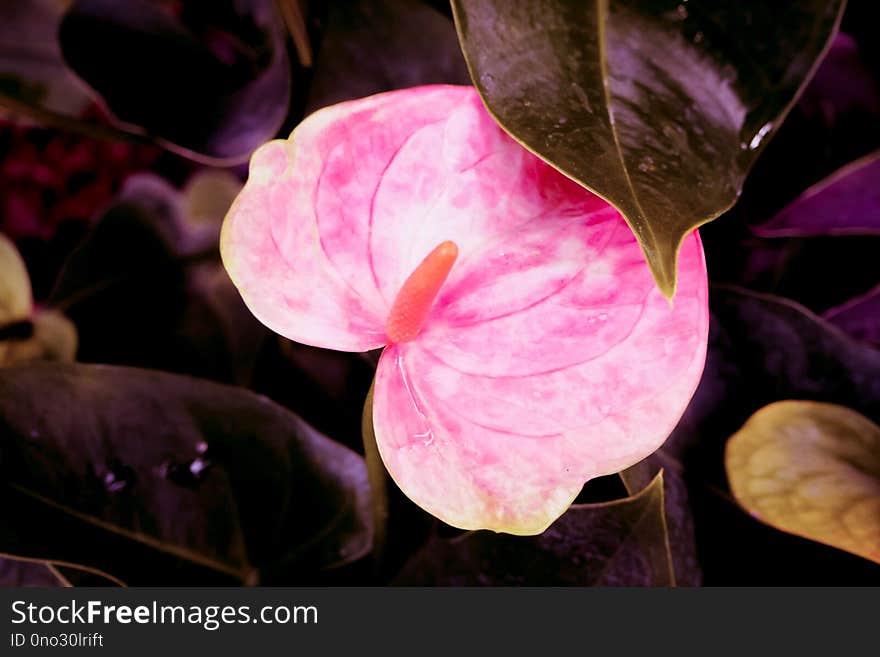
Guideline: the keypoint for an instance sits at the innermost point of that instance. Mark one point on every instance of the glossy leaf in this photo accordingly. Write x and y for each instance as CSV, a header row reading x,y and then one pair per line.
x,y
845,203
548,357
204,473
659,106
813,470
371,46
619,543
212,89
764,349
842,84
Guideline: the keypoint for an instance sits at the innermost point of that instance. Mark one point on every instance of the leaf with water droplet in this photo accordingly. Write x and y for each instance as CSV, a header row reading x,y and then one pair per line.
x,y
86,450
811,469
700,89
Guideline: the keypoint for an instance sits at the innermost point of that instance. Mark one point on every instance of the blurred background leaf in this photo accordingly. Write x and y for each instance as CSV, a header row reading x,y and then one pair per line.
x,y
845,203
370,46
618,543
193,470
813,470
32,71
210,79
859,317
659,106
28,334
764,349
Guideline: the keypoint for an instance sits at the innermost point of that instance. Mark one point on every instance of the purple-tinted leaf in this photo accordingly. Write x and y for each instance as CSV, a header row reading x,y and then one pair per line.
x,y
211,475
16,573
845,203
763,349
619,543
860,317
140,297
841,84
819,272
371,46
212,83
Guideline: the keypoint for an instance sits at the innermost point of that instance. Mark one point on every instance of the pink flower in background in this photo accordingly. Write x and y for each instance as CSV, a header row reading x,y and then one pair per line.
x,y
528,349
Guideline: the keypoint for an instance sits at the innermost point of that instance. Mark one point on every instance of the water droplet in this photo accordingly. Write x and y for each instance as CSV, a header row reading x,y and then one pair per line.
x,y
647,164
759,137
698,37
427,436
118,477
681,11
202,447
563,120
190,473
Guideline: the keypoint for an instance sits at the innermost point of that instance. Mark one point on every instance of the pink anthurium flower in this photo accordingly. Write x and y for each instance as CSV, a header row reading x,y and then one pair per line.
x,y
527,347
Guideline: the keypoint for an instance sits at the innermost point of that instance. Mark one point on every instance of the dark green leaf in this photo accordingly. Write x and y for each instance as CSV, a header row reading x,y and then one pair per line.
x,y
211,84
619,543
371,46
659,106
173,467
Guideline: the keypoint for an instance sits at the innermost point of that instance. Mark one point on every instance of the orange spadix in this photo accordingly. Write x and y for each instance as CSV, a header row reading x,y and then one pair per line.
x,y
418,292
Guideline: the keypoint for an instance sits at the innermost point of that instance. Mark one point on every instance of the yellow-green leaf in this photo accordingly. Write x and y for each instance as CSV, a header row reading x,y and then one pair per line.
x,y
15,284
54,338
659,106
811,469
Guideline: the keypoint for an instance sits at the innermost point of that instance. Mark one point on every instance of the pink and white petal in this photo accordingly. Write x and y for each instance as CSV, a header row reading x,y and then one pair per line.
x,y
516,433
333,209
467,475
588,287
464,179
286,280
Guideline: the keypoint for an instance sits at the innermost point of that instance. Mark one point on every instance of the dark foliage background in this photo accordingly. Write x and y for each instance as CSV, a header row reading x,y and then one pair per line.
x,y
114,199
